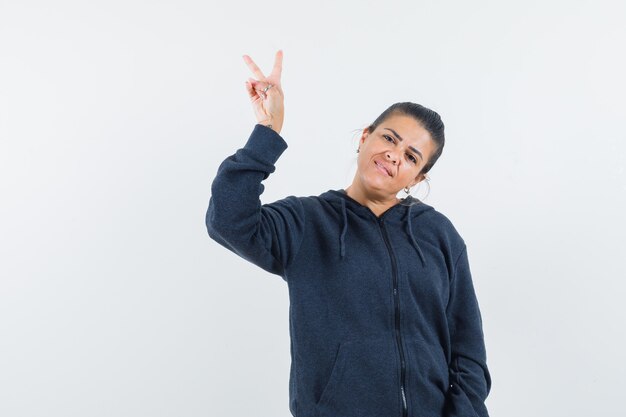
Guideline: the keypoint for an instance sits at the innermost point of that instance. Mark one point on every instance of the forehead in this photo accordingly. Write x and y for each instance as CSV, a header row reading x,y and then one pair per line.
x,y
408,128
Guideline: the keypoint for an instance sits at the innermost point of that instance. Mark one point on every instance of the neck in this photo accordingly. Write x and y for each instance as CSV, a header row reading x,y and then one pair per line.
x,y
378,204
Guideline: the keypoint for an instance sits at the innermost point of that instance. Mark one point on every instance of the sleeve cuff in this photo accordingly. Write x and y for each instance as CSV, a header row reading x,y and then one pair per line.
x,y
266,143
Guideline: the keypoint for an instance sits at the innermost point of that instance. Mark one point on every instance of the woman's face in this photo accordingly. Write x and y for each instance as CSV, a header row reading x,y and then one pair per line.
x,y
391,157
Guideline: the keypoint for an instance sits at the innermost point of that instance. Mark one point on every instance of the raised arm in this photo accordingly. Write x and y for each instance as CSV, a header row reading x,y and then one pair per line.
x,y
267,235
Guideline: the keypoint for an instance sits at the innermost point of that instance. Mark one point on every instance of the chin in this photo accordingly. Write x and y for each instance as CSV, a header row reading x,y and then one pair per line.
x,y
377,187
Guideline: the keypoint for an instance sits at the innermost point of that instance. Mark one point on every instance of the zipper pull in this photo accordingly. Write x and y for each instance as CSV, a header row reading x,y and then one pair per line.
x,y
403,397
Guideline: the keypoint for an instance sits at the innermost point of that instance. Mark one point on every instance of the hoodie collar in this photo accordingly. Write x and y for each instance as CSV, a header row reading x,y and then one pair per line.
x,y
410,206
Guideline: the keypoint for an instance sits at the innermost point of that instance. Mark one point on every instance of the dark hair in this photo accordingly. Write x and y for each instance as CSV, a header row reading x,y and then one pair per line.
x,y
429,119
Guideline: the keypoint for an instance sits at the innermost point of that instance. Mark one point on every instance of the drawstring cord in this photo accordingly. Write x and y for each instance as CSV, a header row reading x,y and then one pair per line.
x,y
413,241
342,244
345,228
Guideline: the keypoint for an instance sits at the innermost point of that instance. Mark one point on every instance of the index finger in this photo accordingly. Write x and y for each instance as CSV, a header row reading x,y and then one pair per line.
x,y
255,69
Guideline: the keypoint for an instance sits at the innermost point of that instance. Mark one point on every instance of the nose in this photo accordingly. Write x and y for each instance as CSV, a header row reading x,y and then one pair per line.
x,y
391,157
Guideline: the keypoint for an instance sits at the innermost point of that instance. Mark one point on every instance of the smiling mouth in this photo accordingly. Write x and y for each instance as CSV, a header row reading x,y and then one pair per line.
x,y
382,168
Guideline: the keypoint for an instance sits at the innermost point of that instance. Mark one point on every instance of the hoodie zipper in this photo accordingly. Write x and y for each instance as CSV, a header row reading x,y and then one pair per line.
x,y
397,318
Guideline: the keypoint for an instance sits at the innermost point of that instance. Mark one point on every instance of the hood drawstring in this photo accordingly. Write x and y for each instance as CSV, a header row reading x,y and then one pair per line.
x,y
413,241
342,245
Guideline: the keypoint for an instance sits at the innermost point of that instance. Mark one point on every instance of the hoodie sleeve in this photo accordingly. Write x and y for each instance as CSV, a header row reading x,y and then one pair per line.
x,y
470,380
267,235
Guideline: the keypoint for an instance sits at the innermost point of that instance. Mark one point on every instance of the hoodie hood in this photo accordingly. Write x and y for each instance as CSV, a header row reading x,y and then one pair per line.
x,y
407,210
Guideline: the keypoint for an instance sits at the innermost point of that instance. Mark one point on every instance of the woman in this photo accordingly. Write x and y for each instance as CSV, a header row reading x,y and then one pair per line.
x,y
384,320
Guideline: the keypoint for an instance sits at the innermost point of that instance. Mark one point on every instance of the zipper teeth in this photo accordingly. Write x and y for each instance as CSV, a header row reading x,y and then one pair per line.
x,y
397,320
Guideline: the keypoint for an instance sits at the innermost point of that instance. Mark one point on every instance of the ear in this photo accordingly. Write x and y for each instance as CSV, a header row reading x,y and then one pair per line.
x,y
364,136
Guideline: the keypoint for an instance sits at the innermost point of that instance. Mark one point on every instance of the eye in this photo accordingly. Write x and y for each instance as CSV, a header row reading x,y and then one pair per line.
x,y
392,140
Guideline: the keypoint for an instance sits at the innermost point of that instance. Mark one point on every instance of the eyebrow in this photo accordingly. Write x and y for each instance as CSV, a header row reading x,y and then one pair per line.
x,y
410,147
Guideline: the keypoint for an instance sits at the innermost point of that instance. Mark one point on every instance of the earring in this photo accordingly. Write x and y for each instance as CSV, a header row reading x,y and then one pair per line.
x,y
357,151
407,190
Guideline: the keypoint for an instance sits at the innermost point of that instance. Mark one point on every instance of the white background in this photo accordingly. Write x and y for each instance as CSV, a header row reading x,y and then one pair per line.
x,y
114,116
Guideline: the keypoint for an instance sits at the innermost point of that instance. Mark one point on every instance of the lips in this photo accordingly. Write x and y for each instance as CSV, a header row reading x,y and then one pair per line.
x,y
384,166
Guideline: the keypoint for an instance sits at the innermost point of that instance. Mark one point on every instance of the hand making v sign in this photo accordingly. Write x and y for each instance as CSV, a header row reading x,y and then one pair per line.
x,y
266,93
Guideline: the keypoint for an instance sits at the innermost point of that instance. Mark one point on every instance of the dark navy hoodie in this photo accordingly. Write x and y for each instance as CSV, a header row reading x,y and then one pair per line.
x,y
384,320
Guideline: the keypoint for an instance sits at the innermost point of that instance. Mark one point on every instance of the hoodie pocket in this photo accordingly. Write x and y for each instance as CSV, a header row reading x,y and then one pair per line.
x,y
364,381
427,376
